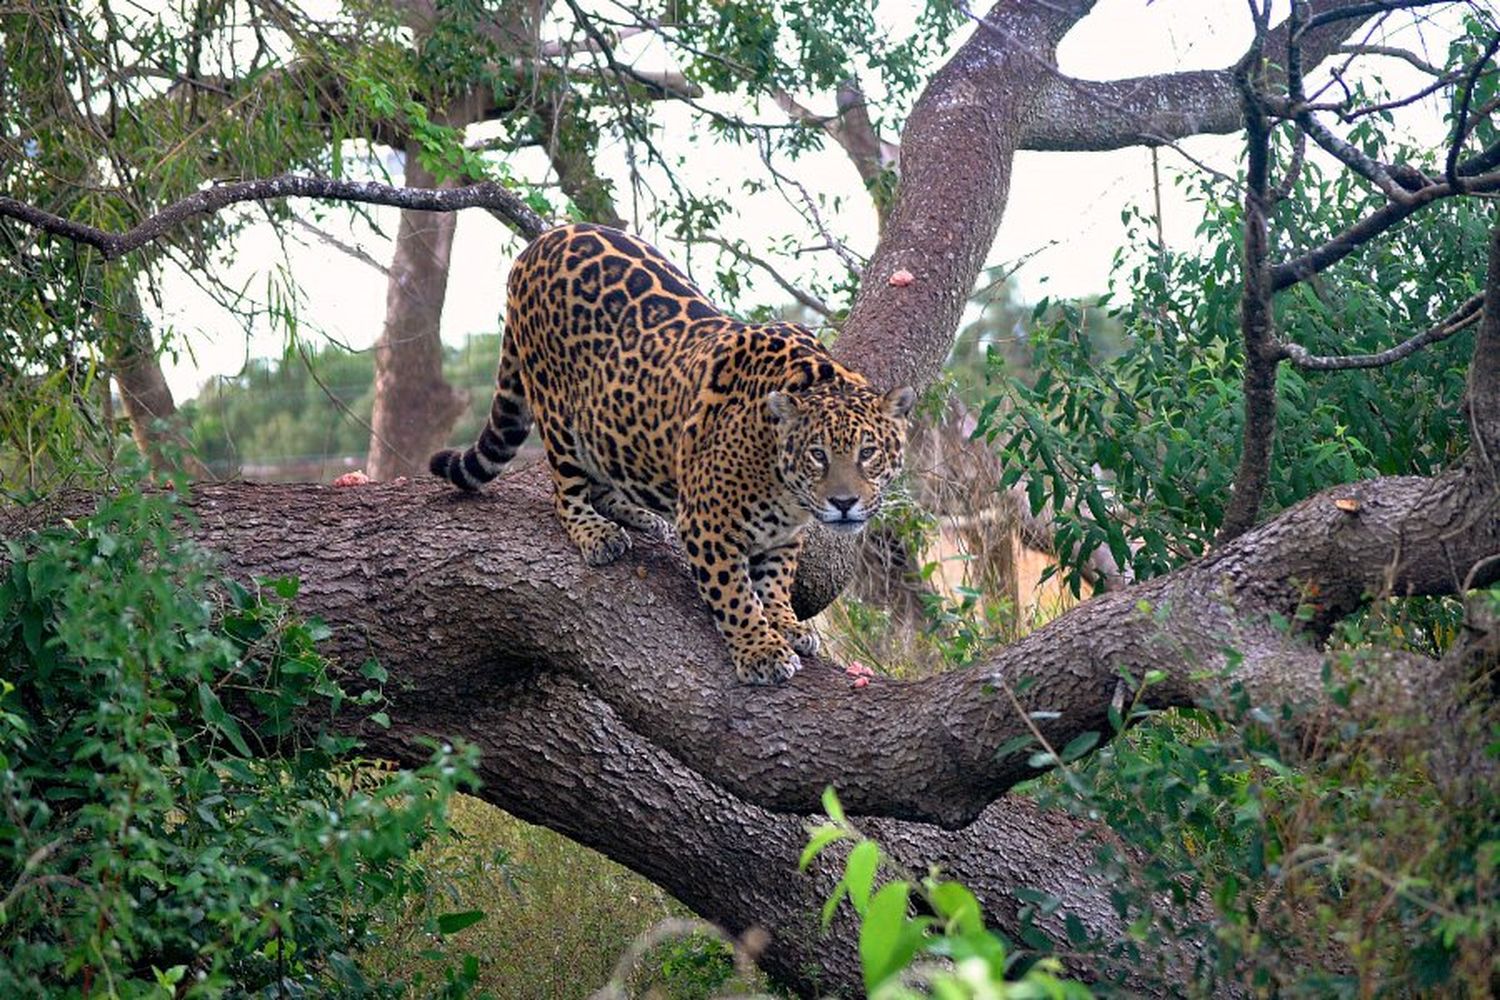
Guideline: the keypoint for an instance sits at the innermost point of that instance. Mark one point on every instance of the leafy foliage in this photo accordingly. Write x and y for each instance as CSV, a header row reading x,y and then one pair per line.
x,y
1351,876
1154,428
975,962
180,814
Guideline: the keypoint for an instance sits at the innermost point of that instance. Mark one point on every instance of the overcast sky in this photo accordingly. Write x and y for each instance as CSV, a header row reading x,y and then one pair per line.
x,y
1062,224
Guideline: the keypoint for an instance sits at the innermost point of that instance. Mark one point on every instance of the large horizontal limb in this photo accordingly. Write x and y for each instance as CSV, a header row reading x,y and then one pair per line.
x,y
461,594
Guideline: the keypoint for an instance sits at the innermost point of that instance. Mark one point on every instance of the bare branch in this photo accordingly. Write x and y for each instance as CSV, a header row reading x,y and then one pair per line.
x,y
1359,11
503,203
1262,353
1392,52
1288,273
852,129
357,253
1461,318
810,212
1355,159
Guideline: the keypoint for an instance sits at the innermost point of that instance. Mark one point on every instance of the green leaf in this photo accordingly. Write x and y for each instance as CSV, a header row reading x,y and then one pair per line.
x,y
452,923
821,838
219,720
859,873
1013,745
831,805
888,938
831,905
1080,745
958,907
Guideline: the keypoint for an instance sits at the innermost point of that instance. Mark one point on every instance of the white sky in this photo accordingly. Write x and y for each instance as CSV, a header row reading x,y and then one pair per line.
x,y
1063,217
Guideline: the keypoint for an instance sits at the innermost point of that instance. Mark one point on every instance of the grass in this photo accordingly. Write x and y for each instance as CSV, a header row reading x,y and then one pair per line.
x,y
557,917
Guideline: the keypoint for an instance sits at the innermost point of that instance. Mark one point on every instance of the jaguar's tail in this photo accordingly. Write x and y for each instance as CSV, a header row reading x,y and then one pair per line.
x,y
509,423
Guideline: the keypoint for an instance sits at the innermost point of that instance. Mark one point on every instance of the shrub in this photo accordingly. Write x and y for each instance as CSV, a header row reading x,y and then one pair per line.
x,y
178,815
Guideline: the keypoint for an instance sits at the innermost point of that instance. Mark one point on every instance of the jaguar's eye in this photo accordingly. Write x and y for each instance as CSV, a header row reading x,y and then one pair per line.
x,y
818,455
866,453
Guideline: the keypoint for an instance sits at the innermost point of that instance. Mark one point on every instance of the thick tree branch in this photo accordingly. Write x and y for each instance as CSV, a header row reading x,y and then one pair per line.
x,y
606,709
1074,114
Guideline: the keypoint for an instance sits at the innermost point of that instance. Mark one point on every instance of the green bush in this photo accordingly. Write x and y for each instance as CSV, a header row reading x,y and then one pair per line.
x,y
177,815
1331,862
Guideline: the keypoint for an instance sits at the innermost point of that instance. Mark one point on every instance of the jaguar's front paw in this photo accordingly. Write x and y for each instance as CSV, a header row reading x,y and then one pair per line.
x,y
802,636
771,667
601,544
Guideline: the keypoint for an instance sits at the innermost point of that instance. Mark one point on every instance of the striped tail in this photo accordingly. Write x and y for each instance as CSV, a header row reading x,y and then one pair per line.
x,y
509,423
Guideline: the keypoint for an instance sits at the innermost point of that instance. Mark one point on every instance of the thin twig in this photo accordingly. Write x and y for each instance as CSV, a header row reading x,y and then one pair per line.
x,y
810,206
1394,53
805,298
353,251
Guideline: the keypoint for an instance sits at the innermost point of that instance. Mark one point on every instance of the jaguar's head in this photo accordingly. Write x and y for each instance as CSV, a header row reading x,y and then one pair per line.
x,y
839,445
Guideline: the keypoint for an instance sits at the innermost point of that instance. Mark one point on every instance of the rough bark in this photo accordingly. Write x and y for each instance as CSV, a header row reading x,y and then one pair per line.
x,y
1000,92
1077,115
415,407
1257,317
956,155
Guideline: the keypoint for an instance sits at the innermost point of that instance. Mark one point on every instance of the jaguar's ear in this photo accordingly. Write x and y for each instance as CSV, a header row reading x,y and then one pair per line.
x,y
898,402
782,405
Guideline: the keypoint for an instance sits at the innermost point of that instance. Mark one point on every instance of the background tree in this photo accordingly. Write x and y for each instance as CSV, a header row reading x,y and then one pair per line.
x,y
599,698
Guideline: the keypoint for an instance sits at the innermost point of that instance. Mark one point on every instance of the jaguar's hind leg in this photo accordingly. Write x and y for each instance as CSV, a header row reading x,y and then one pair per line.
x,y
600,540
610,502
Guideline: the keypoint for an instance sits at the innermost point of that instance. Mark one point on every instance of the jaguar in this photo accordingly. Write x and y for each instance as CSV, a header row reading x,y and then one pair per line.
x,y
651,403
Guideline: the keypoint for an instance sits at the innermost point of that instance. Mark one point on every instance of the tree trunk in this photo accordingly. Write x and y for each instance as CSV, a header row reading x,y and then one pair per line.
x,y
415,407
144,393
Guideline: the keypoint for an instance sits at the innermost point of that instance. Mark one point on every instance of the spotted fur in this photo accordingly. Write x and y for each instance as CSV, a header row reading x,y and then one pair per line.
x,y
650,402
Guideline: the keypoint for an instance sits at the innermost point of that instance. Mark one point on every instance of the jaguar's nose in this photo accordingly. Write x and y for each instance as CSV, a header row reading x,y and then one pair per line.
x,y
843,504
